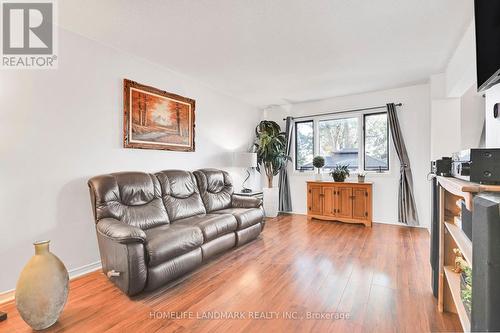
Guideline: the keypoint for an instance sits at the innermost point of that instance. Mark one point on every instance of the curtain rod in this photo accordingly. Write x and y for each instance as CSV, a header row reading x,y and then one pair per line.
x,y
344,111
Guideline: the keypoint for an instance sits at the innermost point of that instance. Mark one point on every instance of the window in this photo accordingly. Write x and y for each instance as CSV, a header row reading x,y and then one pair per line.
x,y
304,145
338,142
361,141
376,142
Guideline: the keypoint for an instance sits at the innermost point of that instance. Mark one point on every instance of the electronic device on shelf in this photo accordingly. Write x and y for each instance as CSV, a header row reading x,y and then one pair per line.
x,y
479,165
441,167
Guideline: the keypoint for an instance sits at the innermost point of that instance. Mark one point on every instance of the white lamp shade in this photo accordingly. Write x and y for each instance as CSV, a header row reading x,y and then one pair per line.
x,y
245,160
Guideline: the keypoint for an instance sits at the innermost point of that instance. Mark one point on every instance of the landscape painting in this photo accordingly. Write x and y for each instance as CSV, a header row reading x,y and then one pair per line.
x,y
156,119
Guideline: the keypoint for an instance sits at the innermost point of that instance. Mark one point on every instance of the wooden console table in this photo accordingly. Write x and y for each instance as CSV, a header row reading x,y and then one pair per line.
x,y
349,202
451,192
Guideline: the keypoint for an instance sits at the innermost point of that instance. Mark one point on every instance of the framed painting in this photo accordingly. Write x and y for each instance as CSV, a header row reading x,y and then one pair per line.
x,y
156,119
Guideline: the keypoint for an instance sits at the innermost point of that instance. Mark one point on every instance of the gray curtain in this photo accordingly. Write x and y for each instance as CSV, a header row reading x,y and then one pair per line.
x,y
285,201
407,210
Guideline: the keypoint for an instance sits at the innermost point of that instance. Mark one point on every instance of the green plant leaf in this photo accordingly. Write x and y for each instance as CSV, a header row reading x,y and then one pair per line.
x,y
270,146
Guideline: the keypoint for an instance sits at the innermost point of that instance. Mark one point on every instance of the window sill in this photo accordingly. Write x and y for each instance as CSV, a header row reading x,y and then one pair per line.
x,y
368,174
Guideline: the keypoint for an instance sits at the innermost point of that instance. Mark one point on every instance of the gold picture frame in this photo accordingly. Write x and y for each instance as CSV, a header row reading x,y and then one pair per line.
x,y
156,119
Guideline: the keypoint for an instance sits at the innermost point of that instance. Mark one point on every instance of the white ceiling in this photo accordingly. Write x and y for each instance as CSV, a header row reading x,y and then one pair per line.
x,y
280,51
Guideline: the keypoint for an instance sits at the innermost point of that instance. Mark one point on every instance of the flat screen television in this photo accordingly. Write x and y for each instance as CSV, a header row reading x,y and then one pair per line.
x,y
487,17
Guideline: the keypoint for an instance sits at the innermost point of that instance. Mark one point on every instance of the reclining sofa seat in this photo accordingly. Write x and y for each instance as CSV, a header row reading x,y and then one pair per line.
x,y
216,190
152,229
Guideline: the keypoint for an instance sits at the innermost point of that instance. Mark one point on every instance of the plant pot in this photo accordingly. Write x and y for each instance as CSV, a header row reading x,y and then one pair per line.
x,y
361,179
465,294
271,201
339,178
318,177
42,288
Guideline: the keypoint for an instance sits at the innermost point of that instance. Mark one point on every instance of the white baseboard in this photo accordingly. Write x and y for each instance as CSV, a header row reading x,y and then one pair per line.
x,y
380,222
8,295
295,213
76,272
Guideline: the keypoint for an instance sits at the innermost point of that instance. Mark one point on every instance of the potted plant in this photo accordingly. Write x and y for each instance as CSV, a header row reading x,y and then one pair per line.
x,y
318,163
340,172
462,267
270,146
466,289
361,176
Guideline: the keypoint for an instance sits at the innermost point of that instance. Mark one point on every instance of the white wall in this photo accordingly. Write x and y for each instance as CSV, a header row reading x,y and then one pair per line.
x,y
492,124
414,117
60,127
472,118
461,69
458,111
445,127
456,123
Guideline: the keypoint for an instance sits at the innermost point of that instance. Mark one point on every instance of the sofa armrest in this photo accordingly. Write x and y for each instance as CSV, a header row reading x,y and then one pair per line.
x,y
238,201
128,260
120,232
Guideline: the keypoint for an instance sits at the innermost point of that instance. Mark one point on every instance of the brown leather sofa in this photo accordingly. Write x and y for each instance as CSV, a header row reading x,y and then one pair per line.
x,y
153,228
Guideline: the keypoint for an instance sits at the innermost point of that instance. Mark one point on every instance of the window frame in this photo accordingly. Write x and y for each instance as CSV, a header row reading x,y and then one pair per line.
x,y
388,145
295,146
361,138
360,142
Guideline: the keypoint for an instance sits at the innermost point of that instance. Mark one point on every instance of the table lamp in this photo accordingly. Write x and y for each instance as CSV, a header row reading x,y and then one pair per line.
x,y
247,161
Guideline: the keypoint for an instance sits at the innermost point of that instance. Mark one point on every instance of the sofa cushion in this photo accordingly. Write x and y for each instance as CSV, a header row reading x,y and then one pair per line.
x,y
180,194
239,201
245,217
169,270
169,241
216,188
212,225
130,197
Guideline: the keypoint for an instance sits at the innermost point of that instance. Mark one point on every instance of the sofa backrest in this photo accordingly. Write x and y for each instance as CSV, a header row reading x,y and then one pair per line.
x,y
131,197
180,194
216,188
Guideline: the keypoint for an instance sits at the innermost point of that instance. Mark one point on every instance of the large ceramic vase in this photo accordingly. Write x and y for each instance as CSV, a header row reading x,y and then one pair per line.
x,y
42,288
271,201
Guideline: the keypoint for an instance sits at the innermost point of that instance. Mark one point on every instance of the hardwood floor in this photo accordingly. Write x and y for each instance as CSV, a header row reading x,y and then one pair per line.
x,y
379,277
